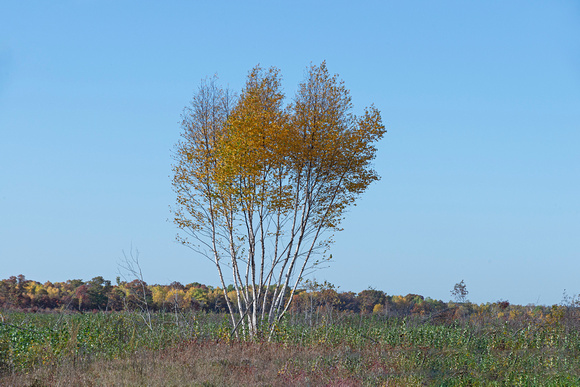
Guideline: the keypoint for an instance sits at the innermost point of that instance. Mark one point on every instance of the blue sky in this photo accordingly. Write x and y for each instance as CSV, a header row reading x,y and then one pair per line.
x,y
480,166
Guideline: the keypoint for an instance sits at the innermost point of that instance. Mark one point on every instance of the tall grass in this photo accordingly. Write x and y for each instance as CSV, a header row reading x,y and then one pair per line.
x,y
197,348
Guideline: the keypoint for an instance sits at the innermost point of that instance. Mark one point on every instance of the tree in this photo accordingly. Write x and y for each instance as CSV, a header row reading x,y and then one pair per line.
x,y
137,293
369,298
261,187
98,293
460,292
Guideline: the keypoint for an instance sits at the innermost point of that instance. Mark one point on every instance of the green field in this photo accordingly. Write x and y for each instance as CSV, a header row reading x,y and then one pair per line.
x,y
119,348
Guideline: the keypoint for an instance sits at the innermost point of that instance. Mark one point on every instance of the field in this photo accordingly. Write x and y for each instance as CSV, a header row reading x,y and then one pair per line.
x,y
119,348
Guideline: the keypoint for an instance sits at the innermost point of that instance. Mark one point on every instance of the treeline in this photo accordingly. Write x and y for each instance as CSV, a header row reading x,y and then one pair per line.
x,y
99,294
314,300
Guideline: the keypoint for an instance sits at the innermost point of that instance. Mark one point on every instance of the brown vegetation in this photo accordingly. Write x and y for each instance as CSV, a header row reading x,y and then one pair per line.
x,y
217,364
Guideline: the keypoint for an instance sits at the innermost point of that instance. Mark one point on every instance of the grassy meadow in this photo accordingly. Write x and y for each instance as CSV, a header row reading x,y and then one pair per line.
x,y
474,345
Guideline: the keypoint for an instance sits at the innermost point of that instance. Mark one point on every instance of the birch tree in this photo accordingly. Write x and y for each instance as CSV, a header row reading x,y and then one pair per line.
x,y
262,187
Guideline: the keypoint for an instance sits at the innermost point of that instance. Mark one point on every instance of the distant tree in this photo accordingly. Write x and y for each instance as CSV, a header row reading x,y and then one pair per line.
x,y
139,296
260,187
74,283
316,297
349,302
199,297
117,297
460,292
177,285
8,292
158,296
369,298
81,297
98,293
137,292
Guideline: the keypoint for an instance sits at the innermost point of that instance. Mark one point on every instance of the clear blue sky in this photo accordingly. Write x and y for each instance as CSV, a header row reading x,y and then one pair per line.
x,y
480,166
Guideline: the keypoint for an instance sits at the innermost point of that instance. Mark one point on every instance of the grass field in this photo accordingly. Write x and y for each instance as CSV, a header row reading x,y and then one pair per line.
x,y
118,348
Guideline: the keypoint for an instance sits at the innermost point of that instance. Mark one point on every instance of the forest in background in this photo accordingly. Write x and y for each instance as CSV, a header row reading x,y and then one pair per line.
x,y
313,300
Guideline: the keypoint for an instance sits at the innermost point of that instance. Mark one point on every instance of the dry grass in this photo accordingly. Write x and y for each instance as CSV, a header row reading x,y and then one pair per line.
x,y
218,364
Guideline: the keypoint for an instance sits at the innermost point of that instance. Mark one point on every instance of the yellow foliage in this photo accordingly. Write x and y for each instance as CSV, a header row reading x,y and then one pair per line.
x,y
30,287
258,183
53,291
233,296
159,293
261,156
197,294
